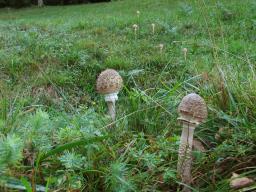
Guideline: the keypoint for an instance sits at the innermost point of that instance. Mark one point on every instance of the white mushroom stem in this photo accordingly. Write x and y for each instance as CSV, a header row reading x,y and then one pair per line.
x,y
111,110
185,154
153,28
111,100
135,31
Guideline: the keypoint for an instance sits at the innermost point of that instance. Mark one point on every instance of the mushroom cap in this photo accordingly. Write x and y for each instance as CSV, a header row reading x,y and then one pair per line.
x,y
185,49
192,108
240,182
109,81
135,26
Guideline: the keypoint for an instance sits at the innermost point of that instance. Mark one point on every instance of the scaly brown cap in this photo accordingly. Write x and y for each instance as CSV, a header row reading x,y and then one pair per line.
x,y
109,81
192,109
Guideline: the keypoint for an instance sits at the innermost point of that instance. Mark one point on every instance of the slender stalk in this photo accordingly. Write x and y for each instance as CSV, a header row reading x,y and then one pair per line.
x,y
111,110
185,50
40,3
185,155
153,28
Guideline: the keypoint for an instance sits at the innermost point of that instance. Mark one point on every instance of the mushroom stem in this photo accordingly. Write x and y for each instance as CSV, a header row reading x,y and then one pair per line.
x,y
111,101
185,154
153,28
135,32
111,110
185,56
185,50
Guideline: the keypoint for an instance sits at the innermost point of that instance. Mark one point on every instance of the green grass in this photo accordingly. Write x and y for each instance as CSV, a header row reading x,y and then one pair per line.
x,y
49,62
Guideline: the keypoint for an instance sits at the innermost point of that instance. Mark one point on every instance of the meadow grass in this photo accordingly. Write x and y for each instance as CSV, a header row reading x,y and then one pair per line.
x,y
49,61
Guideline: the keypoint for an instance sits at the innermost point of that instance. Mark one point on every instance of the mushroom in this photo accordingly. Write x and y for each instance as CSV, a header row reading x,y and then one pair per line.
x,y
109,83
192,111
161,47
185,51
135,27
138,13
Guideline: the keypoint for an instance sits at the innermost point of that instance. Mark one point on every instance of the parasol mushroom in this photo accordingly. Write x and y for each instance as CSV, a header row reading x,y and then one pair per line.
x,y
109,83
192,111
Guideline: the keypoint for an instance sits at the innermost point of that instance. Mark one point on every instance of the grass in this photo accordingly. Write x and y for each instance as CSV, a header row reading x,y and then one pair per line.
x,y
50,58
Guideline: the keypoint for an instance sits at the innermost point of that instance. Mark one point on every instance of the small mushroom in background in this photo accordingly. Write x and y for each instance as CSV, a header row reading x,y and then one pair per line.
x,y
238,182
135,27
185,51
192,111
109,83
161,47
138,13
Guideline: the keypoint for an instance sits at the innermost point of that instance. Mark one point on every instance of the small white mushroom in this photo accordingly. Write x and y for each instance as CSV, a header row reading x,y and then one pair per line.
x,y
138,13
185,51
192,111
135,27
109,83
161,47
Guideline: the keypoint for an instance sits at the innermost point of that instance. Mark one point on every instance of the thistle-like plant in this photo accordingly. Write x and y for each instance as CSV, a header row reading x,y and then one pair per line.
x,y
71,160
10,151
117,178
38,130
